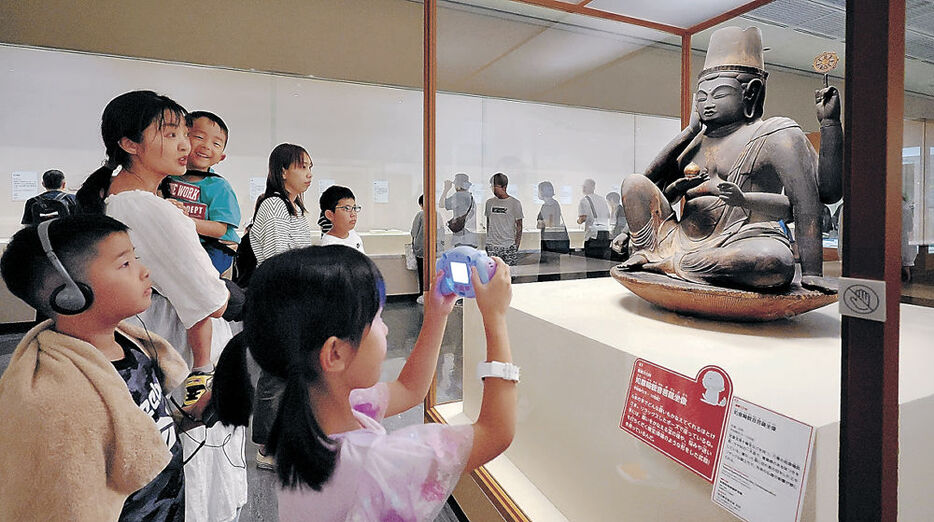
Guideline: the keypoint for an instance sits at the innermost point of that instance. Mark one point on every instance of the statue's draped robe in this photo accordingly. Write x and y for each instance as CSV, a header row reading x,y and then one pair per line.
x,y
694,245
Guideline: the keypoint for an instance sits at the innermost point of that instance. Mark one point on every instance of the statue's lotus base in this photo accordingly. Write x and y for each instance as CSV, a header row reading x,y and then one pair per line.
x,y
720,303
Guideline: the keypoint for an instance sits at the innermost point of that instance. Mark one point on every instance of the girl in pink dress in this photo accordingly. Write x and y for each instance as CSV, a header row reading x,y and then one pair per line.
x,y
313,318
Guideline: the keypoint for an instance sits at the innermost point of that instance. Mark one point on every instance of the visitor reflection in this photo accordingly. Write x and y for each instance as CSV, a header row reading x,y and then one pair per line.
x,y
551,222
594,214
619,228
463,226
826,221
909,251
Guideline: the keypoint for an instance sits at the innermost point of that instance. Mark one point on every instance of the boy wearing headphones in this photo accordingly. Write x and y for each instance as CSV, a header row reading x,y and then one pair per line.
x,y
87,431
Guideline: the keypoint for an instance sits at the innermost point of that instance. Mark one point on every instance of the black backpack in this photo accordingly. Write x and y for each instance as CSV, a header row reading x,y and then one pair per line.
x,y
245,263
49,207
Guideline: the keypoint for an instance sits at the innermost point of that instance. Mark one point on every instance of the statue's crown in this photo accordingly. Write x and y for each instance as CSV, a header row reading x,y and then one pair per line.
x,y
735,49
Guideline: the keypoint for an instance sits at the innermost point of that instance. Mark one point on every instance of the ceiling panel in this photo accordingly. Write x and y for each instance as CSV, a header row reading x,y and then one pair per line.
x,y
792,13
795,30
685,13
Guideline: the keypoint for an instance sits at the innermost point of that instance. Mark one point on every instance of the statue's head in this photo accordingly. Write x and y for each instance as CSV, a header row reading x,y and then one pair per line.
x,y
731,87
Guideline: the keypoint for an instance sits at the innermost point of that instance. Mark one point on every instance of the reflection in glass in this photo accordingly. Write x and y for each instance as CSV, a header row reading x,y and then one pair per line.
x,y
463,226
551,223
594,214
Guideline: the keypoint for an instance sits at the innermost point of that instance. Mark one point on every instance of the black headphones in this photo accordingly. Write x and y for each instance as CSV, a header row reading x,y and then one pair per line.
x,y
72,297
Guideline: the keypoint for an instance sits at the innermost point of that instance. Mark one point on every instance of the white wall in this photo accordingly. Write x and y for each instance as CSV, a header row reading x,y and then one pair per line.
x,y
356,133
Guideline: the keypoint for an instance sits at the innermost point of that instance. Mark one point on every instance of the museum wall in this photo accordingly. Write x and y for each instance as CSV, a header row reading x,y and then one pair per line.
x,y
367,137
359,134
378,41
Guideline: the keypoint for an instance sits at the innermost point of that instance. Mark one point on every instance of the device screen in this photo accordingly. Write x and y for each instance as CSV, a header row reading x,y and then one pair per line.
x,y
459,273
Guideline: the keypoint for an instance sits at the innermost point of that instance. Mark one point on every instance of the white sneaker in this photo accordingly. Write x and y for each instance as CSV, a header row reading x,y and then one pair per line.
x,y
421,299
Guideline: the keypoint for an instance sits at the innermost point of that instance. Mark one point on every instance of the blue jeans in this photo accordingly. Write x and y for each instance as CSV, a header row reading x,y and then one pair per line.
x,y
220,259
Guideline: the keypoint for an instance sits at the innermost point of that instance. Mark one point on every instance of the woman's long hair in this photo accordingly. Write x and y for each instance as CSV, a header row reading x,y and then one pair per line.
x,y
281,158
126,116
295,302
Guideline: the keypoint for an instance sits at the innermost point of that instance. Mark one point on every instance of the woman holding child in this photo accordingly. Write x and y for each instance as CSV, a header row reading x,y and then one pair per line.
x,y
146,139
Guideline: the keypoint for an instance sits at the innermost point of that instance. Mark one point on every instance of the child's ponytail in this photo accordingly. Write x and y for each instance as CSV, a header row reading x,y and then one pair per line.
x,y
232,393
296,301
305,455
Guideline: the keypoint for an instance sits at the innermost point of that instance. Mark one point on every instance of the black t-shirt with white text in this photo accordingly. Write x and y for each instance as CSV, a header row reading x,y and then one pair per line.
x,y
164,497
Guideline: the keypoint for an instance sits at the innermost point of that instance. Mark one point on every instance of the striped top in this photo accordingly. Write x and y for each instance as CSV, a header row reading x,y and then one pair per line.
x,y
275,230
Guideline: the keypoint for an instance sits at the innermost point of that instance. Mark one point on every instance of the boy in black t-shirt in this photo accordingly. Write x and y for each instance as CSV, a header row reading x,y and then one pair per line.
x,y
87,391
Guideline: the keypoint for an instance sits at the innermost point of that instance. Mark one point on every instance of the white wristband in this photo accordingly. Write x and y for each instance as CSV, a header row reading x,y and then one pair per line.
x,y
500,370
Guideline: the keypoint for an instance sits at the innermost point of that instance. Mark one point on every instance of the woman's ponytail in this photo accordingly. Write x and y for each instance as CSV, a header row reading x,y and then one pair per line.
x,y
305,455
94,190
232,393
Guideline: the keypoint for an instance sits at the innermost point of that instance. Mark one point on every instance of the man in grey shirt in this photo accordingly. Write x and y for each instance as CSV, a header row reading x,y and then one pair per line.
x,y
503,222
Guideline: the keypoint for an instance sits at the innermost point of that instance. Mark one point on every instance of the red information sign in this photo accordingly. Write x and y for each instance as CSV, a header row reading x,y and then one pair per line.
x,y
677,415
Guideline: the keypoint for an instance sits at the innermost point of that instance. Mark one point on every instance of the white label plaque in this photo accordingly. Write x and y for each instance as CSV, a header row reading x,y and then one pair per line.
x,y
380,191
764,464
257,187
24,185
566,194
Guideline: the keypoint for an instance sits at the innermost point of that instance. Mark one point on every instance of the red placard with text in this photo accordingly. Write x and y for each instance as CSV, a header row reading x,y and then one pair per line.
x,y
680,416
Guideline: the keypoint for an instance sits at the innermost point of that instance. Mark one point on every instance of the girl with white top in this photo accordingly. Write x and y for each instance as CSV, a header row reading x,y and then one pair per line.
x,y
146,139
279,225
314,318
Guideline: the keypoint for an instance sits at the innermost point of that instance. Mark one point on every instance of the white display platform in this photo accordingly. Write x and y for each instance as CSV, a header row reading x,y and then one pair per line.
x,y
576,342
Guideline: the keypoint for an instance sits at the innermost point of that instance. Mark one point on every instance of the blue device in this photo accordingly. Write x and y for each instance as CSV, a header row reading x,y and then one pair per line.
x,y
456,263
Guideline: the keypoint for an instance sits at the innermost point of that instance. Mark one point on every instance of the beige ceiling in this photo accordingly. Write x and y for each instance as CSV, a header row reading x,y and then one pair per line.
x,y
794,31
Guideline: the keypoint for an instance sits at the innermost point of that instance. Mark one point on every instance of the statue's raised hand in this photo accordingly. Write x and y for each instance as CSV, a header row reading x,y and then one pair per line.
x,y
828,104
731,194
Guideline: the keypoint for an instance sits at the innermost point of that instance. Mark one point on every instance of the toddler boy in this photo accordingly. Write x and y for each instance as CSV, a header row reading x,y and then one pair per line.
x,y
86,391
340,207
208,198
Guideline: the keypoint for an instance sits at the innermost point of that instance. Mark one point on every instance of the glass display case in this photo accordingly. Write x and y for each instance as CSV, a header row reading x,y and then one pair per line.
x,y
551,93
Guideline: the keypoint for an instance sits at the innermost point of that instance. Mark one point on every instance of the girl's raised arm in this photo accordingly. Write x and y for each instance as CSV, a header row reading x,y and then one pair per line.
x,y
496,423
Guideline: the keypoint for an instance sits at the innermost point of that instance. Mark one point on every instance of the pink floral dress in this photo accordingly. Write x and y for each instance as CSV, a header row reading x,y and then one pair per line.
x,y
403,476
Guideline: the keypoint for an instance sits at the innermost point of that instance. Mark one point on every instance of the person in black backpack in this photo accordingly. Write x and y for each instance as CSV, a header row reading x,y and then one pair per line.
x,y
51,204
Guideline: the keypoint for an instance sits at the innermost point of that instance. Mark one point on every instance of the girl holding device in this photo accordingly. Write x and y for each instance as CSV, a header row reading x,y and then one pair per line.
x,y
314,320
